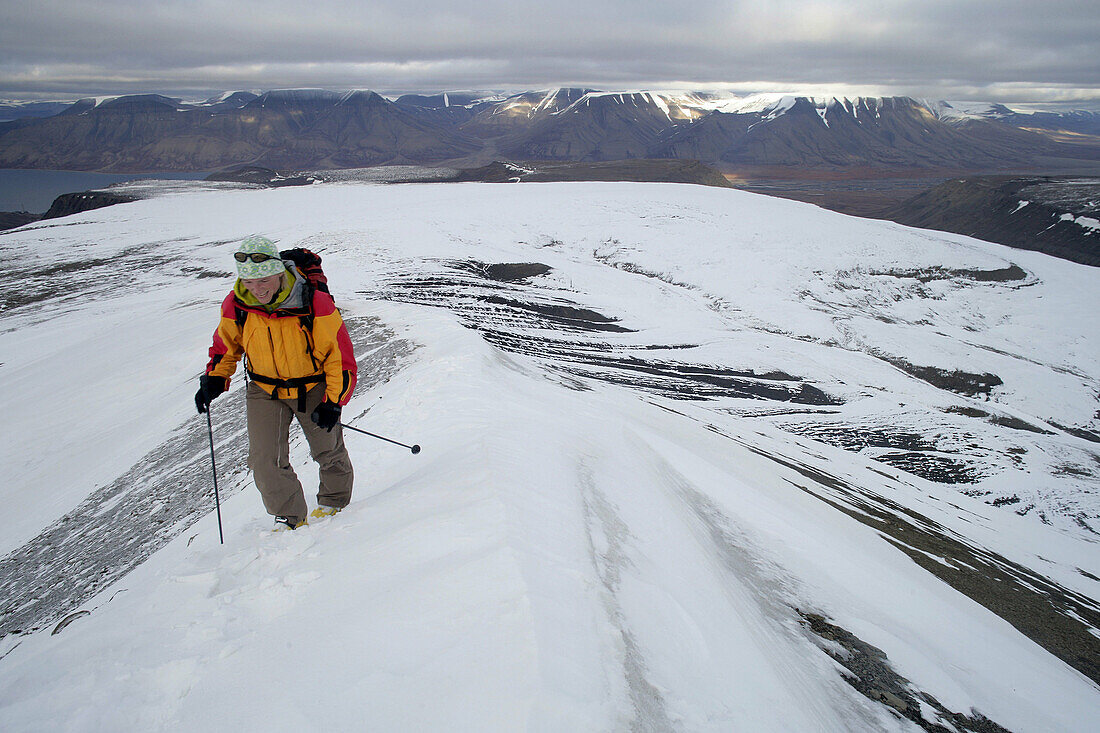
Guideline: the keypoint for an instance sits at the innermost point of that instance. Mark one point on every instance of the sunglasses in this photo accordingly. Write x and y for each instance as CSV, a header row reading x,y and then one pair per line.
x,y
256,257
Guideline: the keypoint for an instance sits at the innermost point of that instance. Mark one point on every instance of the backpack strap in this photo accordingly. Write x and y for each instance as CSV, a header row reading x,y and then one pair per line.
x,y
301,384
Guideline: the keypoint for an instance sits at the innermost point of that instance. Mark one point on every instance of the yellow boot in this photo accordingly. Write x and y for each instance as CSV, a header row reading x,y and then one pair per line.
x,y
323,511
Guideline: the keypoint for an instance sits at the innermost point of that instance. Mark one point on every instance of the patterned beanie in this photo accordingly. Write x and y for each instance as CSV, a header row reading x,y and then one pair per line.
x,y
249,270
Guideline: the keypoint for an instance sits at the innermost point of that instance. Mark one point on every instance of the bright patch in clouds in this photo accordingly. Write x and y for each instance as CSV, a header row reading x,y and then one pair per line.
x,y
977,50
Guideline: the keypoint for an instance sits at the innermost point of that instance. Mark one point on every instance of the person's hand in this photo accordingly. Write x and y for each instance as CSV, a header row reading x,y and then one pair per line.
x,y
327,415
209,388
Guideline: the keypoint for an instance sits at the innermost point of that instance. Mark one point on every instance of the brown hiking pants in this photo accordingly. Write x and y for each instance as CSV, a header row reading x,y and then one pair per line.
x,y
269,453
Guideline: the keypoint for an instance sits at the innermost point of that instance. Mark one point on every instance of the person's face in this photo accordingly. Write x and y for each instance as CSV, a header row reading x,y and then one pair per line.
x,y
264,288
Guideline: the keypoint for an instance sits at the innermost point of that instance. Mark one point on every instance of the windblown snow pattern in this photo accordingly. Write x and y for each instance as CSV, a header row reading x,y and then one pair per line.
x,y
693,460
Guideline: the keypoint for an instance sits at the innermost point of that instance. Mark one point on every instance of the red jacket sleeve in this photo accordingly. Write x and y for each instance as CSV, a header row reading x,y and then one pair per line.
x,y
226,349
333,345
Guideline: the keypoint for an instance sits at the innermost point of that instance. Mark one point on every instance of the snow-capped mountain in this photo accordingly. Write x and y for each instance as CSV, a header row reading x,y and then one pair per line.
x,y
314,128
592,126
693,459
1085,122
891,133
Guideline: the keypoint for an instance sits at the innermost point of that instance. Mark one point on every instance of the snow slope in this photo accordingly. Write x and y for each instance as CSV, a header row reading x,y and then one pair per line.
x,y
637,507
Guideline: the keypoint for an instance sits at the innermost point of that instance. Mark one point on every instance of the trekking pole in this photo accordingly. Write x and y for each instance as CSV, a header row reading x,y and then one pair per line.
x,y
414,448
214,466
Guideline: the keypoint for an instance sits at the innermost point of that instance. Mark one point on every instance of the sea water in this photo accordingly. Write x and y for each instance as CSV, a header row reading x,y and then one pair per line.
x,y
35,190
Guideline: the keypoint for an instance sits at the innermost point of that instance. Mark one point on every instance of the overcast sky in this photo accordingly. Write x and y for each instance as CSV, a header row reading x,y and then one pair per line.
x,y
991,50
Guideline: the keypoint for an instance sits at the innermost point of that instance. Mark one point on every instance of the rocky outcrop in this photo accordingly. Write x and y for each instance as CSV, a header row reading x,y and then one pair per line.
x,y
259,176
13,219
74,203
655,171
1055,215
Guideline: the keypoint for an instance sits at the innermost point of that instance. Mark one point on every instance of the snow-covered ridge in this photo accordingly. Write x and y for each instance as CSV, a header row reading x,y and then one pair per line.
x,y
634,507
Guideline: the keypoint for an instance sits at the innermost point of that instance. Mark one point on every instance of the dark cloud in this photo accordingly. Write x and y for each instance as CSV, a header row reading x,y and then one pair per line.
x,y
981,49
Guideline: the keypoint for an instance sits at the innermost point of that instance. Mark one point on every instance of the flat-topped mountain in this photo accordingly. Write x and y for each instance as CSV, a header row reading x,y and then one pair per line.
x,y
281,129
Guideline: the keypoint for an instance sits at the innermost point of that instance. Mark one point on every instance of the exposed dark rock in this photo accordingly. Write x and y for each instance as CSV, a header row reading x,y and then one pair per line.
x,y
871,674
565,315
1083,433
506,271
68,620
13,219
442,100
993,208
1012,273
1006,500
260,176
496,172
941,469
448,109
517,271
911,452
74,203
645,170
1005,421
967,410
964,383
511,317
1016,423
1057,618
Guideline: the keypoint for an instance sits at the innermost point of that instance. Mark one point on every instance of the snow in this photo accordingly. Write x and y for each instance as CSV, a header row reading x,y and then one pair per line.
x,y
567,553
685,105
217,99
100,100
1087,222
959,111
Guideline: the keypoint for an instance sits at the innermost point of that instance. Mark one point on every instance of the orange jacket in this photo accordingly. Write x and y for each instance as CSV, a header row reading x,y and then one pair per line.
x,y
281,346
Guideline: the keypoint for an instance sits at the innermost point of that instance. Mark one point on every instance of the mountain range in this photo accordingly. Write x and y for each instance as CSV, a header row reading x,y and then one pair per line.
x,y
318,129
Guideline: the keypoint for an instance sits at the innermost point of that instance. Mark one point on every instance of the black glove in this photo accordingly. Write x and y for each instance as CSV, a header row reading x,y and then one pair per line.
x,y
209,388
327,415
